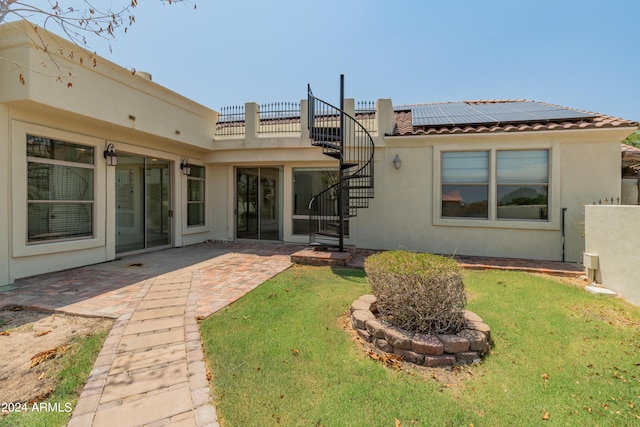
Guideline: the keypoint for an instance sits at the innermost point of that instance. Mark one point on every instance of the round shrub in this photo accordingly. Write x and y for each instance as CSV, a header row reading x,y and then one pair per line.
x,y
418,292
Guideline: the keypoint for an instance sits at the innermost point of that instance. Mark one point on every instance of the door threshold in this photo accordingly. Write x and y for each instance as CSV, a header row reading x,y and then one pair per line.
x,y
143,251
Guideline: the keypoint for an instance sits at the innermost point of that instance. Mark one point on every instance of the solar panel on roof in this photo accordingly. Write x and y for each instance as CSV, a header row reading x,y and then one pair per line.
x,y
402,107
461,113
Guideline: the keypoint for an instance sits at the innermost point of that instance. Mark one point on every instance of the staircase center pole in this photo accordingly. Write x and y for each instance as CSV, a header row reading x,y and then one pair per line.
x,y
341,201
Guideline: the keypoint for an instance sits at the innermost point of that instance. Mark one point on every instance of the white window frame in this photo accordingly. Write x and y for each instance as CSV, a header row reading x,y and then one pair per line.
x,y
202,202
19,226
300,217
482,184
188,230
71,164
553,221
514,185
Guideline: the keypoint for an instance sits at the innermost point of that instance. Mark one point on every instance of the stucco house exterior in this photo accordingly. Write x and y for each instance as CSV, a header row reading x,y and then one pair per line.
x,y
183,174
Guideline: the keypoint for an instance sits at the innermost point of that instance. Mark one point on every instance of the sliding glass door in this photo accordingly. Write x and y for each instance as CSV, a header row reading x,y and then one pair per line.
x,y
143,214
258,203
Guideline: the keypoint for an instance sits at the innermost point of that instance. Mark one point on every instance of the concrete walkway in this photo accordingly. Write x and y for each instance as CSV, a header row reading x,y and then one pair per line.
x,y
151,369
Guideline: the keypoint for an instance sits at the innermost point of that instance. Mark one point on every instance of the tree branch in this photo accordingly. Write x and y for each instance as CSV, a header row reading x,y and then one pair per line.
x,y
75,22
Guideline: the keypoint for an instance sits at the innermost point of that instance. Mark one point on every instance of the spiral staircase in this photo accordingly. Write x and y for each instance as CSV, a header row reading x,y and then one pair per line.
x,y
345,139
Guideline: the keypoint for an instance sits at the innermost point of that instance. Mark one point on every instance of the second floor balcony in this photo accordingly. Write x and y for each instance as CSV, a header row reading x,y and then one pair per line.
x,y
253,121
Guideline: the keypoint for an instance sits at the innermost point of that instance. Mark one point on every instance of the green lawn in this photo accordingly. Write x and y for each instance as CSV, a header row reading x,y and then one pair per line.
x,y
280,357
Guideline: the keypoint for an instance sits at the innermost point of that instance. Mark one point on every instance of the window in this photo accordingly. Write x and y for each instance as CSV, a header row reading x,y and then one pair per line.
x,y
522,184
306,184
465,184
195,197
60,190
517,187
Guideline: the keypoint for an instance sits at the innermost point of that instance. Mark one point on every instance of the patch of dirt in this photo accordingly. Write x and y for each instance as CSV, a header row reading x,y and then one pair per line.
x,y
449,377
579,281
30,342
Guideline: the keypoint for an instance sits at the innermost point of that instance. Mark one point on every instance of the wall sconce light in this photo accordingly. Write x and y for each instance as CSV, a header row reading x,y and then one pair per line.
x,y
397,162
186,168
111,156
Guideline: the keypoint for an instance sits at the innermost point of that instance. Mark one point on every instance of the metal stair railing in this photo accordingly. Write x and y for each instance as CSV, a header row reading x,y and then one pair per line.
x,y
343,138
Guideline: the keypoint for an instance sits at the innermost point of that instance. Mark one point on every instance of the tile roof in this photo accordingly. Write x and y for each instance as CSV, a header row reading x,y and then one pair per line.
x,y
630,158
404,121
453,196
630,149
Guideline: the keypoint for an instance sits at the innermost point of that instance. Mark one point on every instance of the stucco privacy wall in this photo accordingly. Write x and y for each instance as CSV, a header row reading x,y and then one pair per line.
x,y
405,212
612,233
106,104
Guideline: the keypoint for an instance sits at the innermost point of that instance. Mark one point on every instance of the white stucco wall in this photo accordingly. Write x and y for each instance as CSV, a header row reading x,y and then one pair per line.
x,y
27,259
95,112
5,188
405,213
222,191
613,233
100,90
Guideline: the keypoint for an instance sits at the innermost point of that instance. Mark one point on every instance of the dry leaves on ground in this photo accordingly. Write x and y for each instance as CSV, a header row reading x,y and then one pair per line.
x,y
52,353
390,360
29,343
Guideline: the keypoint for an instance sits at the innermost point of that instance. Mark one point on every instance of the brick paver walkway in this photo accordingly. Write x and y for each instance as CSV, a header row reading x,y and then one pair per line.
x,y
557,268
151,369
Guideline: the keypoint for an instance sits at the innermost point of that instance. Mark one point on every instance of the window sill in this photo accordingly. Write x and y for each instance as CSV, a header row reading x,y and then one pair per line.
x,y
499,223
45,248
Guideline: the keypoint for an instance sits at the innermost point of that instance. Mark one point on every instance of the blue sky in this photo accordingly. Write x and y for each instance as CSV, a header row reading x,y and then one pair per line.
x,y
583,54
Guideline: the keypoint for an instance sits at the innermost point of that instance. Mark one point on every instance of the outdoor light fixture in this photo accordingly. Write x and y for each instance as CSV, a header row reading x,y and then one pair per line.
x,y
111,155
396,162
186,168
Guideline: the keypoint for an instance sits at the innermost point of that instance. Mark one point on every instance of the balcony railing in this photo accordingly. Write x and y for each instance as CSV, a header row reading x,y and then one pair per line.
x,y
278,118
366,115
231,121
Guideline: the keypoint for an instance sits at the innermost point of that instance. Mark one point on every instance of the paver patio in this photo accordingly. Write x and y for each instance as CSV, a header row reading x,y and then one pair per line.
x,y
151,369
